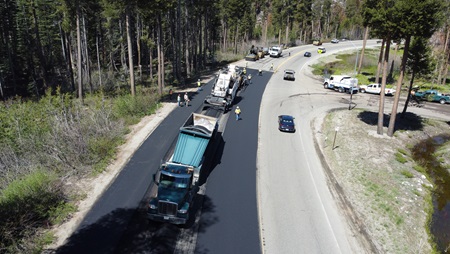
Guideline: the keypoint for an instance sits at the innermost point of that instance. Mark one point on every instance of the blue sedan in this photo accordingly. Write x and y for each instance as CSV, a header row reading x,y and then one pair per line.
x,y
286,123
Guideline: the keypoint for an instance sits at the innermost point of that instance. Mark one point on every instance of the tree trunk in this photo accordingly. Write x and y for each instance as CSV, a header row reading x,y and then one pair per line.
x,y
67,57
138,45
98,64
187,40
79,67
383,86
86,57
380,62
391,127
40,50
409,94
444,67
361,57
130,53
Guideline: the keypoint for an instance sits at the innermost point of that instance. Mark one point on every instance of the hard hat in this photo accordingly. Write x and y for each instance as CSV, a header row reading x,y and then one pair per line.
x,y
237,107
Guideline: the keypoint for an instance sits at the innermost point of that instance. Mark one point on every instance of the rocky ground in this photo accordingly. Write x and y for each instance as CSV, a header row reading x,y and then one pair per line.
x,y
388,196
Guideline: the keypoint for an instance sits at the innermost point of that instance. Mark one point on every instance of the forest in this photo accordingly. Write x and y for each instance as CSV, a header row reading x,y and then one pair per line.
x,y
75,74
86,46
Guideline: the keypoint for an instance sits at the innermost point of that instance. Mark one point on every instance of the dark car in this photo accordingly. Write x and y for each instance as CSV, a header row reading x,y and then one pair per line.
x,y
307,54
289,75
286,123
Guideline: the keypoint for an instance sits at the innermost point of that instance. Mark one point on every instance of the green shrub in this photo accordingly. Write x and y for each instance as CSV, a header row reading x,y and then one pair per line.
x,y
400,158
407,174
26,205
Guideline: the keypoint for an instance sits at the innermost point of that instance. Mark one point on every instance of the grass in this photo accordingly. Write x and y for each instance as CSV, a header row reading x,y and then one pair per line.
x,y
400,158
406,173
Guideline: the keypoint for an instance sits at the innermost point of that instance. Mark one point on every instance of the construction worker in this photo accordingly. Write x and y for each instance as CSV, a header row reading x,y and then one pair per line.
x,y
199,85
260,72
249,78
271,66
244,71
237,111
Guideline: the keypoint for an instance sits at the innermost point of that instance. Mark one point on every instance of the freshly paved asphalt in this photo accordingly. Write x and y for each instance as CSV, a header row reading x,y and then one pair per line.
x,y
229,222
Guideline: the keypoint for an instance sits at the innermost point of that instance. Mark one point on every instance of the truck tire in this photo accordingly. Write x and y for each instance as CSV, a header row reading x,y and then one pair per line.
x,y
341,90
325,85
363,90
442,101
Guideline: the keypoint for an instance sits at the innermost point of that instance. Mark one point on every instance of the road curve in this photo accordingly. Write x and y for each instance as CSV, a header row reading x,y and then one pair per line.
x,y
298,212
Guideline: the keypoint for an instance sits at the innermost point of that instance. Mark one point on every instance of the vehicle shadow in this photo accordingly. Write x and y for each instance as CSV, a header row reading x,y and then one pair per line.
x,y
408,121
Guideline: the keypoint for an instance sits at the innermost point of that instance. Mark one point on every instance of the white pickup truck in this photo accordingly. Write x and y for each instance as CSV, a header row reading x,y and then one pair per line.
x,y
376,89
275,51
341,83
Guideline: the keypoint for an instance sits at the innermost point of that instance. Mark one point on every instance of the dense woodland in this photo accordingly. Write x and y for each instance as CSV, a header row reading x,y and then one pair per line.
x,y
83,46
75,74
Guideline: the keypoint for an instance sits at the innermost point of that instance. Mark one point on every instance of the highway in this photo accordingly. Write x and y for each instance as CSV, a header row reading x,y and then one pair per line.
x,y
267,191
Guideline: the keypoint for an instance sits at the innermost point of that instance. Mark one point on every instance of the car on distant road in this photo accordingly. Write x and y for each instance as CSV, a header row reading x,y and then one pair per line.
x,y
334,40
289,75
307,54
286,123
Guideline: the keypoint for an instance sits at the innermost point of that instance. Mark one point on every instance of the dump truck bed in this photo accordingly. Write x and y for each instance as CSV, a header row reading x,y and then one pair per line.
x,y
193,139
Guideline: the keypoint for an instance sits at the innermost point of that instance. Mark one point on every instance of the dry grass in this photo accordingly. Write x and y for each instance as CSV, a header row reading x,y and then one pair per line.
x,y
387,193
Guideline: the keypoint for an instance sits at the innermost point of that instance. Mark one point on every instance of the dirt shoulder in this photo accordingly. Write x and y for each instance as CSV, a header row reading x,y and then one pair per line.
x,y
386,199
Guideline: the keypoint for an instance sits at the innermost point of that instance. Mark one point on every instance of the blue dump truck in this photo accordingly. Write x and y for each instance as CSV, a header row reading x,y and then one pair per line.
x,y
177,179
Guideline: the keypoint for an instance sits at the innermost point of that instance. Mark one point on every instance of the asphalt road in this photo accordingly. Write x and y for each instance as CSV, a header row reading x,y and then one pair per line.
x,y
266,193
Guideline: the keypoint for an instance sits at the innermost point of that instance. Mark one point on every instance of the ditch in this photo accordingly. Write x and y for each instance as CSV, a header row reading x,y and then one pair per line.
x,y
424,154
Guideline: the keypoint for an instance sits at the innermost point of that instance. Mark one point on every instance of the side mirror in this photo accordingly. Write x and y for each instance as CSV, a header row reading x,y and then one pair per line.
x,y
154,179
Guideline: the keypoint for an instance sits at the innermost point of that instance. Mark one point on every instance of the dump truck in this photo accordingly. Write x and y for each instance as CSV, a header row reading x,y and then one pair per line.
x,y
177,179
223,93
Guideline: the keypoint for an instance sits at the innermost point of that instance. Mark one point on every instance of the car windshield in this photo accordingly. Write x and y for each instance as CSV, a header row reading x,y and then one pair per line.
x,y
174,182
287,121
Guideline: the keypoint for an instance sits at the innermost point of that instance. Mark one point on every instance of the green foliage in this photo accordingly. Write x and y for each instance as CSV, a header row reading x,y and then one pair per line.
x,y
419,169
400,158
27,204
407,174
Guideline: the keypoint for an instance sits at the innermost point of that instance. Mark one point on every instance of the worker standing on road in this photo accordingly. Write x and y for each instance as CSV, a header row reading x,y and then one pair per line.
x,y
245,71
260,72
238,113
186,100
199,86
271,67
249,78
179,100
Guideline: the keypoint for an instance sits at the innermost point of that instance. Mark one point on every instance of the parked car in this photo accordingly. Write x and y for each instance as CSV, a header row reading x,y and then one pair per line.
x,y
286,123
321,50
289,75
266,51
432,95
376,89
334,40
307,54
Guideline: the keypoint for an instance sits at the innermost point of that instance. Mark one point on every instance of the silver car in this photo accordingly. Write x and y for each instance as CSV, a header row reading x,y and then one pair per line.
x,y
289,75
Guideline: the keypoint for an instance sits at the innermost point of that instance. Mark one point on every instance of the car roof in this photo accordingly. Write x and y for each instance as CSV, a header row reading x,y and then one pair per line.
x,y
286,117
289,70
